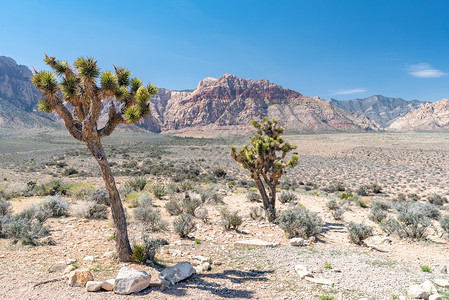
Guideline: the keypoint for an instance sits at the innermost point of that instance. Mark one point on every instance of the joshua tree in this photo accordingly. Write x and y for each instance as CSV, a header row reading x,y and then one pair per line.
x,y
78,99
264,158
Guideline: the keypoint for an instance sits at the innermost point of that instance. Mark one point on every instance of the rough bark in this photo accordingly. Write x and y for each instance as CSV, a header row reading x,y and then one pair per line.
x,y
118,214
268,201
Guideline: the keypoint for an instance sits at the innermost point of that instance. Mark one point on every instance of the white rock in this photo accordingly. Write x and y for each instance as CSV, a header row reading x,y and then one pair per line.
x,y
417,292
297,242
429,287
442,282
176,273
254,243
71,261
80,277
203,268
89,258
130,281
444,270
202,259
93,286
319,280
69,269
302,271
435,297
108,285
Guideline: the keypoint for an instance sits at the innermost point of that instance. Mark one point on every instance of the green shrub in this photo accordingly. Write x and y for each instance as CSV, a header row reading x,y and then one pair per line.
x,y
69,171
287,197
215,198
52,188
299,222
55,206
231,220
137,183
146,251
24,227
202,214
99,197
359,232
363,190
5,207
189,205
426,269
133,198
150,218
377,215
184,225
219,173
253,197
256,213
444,222
159,191
437,199
96,211
81,190
185,186
138,253
173,207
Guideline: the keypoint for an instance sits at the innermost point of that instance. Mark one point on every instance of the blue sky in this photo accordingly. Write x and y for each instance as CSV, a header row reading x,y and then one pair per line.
x,y
340,49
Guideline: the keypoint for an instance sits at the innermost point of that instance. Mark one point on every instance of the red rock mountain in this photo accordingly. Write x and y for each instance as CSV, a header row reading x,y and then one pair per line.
x,y
429,117
230,101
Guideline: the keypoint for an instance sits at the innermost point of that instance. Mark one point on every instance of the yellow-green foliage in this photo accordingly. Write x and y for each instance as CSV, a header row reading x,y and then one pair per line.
x,y
81,189
133,198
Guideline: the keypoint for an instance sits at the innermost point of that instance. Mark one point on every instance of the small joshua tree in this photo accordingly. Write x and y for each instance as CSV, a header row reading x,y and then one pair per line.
x,y
78,99
265,159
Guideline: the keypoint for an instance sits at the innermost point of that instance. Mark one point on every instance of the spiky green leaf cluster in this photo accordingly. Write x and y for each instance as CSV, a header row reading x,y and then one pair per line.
x,y
135,84
109,81
44,107
46,82
123,75
87,67
132,114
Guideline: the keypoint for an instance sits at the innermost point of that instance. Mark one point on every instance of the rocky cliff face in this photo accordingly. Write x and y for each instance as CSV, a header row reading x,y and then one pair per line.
x,y
429,117
16,86
382,110
233,101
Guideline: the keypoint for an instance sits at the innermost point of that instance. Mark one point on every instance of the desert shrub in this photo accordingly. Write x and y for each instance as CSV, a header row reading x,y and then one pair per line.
x,y
159,191
133,198
202,214
189,205
412,220
375,188
287,197
219,173
99,197
382,205
55,206
96,211
332,205
173,207
400,197
69,171
52,188
26,231
137,183
184,225
377,215
299,222
150,218
346,196
231,220
363,190
81,190
185,186
335,208
256,213
146,251
444,223
215,198
413,197
358,232
437,199
5,207
173,188
253,197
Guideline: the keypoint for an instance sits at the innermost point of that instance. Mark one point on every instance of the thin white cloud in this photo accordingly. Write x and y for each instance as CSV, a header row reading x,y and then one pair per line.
x,y
349,91
424,70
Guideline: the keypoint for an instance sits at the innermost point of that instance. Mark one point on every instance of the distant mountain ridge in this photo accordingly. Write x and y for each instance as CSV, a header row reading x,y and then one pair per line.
x,y
429,117
383,110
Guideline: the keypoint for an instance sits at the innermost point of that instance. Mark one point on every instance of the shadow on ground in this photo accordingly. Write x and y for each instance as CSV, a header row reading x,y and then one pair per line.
x,y
206,282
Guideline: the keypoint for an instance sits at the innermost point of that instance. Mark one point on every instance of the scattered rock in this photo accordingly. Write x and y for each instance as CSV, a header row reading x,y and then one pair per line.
x,y
89,258
176,273
444,270
417,292
57,267
297,242
69,269
324,281
80,277
93,286
108,285
254,243
302,271
203,268
442,282
435,297
71,261
130,281
317,270
429,287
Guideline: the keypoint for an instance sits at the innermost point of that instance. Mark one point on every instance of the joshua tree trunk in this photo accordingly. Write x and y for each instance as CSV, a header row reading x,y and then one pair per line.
x,y
269,201
118,214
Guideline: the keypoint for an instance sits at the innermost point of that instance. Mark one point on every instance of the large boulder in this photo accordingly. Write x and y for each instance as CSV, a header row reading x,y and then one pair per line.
x,y
175,274
130,281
